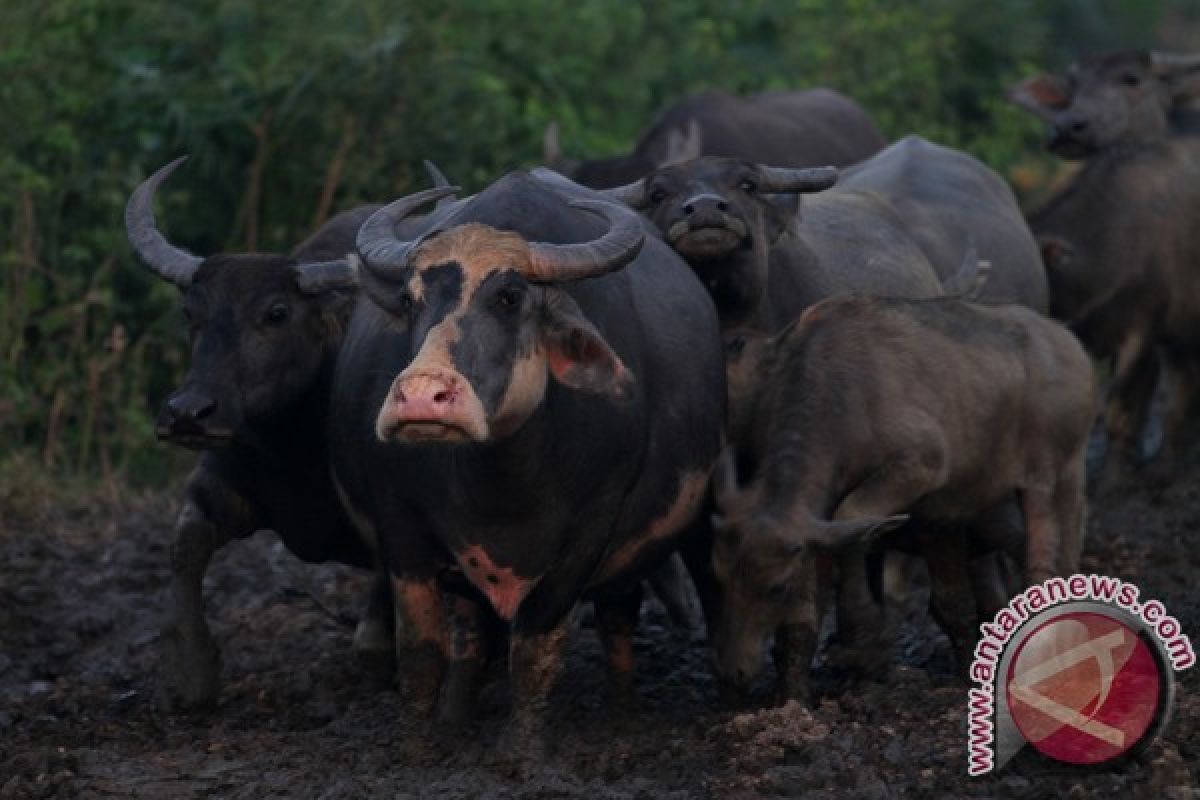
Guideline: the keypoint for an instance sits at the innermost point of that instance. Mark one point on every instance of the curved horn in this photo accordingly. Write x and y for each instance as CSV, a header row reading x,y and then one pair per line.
x,y
377,241
779,180
322,276
618,246
631,194
438,178
169,262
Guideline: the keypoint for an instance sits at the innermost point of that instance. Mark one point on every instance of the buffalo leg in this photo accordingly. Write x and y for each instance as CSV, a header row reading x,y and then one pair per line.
x,y
860,618
796,639
1135,377
670,585
1043,544
988,584
1183,377
1070,514
374,638
466,656
420,641
535,662
193,660
211,516
616,621
696,551
892,490
950,598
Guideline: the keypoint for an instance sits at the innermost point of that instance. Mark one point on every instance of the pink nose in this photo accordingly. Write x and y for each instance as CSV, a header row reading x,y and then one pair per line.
x,y
423,397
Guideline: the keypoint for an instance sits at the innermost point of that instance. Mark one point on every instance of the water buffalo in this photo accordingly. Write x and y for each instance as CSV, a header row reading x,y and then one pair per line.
x,y
528,405
787,129
1120,241
880,407
264,330
762,256
951,203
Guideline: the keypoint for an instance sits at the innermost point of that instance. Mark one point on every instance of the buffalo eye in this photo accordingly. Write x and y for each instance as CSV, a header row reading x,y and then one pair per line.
x,y
405,303
657,196
508,298
748,185
276,314
1130,79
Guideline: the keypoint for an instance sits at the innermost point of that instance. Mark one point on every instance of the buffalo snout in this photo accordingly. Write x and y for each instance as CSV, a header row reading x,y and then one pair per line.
x,y
431,405
705,202
1072,135
189,417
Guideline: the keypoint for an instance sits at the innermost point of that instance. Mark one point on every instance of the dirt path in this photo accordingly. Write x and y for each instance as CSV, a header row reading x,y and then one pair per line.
x,y
81,596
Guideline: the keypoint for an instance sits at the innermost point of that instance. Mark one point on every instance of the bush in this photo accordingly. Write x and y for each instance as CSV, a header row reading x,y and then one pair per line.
x,y
294,110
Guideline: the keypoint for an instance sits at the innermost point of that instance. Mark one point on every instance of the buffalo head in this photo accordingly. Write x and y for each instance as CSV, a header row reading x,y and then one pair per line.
x,y
260,326
764,562
723,216
1115,99
486,323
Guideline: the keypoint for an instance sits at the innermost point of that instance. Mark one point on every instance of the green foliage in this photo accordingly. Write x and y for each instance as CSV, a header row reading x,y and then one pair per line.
x,y
295,110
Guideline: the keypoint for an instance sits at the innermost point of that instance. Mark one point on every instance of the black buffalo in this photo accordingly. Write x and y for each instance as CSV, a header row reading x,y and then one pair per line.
x,y
527,410
789,129
1120,241
265,330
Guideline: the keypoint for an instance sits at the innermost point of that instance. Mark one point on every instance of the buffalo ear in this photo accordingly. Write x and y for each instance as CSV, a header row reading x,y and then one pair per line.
x,y
784,214
842,533
1041,96
1184,84
686,144
576,353
1057,252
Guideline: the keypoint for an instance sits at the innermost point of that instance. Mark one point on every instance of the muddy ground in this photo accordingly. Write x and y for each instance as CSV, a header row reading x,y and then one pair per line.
x,y
82,594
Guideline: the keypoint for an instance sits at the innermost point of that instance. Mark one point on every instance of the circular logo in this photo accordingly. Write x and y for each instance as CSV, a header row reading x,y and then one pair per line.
x,y
1087,687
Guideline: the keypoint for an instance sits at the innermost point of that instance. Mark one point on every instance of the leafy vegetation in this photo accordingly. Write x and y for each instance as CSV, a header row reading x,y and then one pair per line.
x,y
295,110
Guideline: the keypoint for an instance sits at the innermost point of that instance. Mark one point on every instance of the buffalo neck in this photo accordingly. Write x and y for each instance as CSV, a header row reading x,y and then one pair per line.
x,y
299,426
1102,213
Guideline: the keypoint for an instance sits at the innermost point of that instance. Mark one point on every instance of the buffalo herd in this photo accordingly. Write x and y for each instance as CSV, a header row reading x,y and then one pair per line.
x,y
766,342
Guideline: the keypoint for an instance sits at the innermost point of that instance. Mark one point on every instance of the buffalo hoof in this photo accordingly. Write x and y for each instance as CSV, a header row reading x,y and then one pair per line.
x,y
419,678
458,704
731,695
374,647
519,756
193,670
1158,474
1113,480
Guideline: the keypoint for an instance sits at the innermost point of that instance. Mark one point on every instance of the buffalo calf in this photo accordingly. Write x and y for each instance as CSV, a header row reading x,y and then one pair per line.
x,y
875,409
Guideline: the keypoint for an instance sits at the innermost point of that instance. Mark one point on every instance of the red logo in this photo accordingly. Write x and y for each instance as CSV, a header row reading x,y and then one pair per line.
x,y
1085,688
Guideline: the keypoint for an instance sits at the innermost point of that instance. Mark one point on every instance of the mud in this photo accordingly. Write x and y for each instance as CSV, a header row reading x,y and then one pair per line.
x,y
82,595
